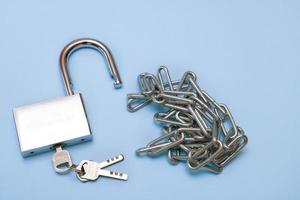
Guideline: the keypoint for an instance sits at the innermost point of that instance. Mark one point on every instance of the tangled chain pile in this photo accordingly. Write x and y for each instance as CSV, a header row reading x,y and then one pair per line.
x,y
196,129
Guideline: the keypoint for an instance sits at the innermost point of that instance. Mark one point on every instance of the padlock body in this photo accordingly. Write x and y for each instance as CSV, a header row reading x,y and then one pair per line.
x,y
42,125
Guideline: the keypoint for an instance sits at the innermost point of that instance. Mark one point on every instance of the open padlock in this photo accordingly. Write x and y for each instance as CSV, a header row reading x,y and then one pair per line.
x,y
47,125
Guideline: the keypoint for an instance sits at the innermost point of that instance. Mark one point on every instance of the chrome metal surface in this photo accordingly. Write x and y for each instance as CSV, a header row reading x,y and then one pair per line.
x,y
87,43
42,125
196,129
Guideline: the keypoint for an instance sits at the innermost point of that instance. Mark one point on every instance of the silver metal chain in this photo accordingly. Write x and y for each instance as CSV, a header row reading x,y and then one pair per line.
x,y
196,129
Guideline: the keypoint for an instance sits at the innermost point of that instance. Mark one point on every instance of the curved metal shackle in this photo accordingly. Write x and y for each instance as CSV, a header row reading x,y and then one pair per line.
x,y
87,43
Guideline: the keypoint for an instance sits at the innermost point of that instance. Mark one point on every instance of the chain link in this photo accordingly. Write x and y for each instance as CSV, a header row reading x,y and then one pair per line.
x,y
196,129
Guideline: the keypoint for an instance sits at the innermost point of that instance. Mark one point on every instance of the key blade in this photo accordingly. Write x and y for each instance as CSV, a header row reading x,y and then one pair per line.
x,y
111,161
114,175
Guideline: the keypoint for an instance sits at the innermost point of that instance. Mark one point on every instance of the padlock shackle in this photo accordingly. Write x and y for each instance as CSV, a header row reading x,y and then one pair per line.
x,y
87,43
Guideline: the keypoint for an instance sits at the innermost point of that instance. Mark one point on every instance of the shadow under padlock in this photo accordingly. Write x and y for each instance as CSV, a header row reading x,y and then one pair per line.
x,y
49,125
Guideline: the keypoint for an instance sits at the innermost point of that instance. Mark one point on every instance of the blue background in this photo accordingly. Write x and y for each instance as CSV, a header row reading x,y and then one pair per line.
x,y
246,54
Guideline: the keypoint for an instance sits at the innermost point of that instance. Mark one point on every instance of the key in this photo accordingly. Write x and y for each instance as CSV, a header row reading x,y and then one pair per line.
x,y
82,167
91,170
111,161
111,174
61,160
